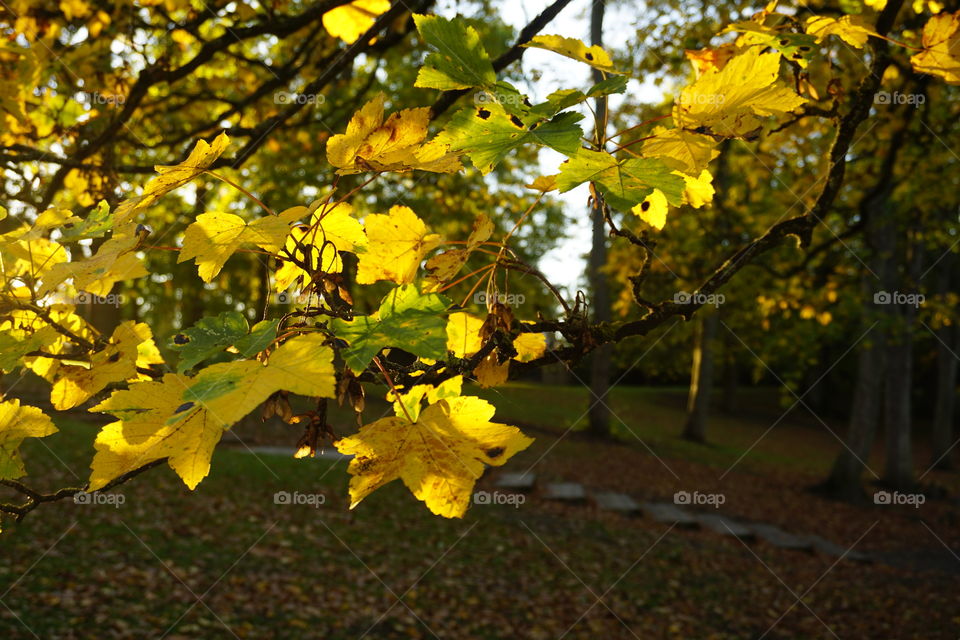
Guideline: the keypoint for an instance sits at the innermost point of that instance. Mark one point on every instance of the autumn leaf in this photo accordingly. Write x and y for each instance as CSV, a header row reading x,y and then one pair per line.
x,y
852,29
406,320
215,236
172,177
350,21
77,383
396,244
16,424
439,457
941,48
459,62
594,56
211,336
182,419
488,134
397,144
680,149
444,266
730,102
624,183
332,229
464,340
115,260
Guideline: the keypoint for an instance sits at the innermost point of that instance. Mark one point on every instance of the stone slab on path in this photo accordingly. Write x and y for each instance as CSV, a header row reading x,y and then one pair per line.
x,y
613,501
780,538
669,514
516,481
724,526
565,491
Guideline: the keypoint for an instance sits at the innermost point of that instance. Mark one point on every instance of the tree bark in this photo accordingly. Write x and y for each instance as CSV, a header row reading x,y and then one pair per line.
x,y
948,345
600,360
701,378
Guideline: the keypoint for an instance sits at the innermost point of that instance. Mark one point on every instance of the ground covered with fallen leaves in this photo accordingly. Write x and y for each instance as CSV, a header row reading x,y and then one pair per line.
x,y
226,561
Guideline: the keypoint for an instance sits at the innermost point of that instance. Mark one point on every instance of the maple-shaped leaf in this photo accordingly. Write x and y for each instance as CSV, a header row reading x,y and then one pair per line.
x,y
396,244
464,340
211,336
852,29
798,47
397,144
941,48
216,235
444,266
459,62
172,177
98,221
117,362
182,419
624,183
114,261
488,134
351,21
731,101
25,253
698,190
14,347
23,324
332,229
594,56
406,320
18,422
439,457
680,149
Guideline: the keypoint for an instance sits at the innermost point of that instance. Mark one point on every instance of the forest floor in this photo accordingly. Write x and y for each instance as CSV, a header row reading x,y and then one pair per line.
x,y
226,561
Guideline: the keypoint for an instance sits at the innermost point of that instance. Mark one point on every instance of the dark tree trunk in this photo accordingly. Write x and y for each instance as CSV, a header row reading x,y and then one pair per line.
x,y
948,345
600,360
701,378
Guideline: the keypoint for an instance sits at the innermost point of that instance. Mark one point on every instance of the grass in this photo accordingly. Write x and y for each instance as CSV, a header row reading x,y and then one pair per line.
x,y
225,561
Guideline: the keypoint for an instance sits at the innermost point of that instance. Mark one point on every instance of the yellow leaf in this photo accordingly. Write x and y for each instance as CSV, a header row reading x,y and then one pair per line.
x,y
463,340
351,21
114,261
682,150
370,144
172,177
594,56
75,384
698,191
710,59
396,244
216,235
730,102
529,346
74,9
17,423
443,267
491,372
653,210
543,183
941,48
439,457
182,419
332,229
463,334
851,29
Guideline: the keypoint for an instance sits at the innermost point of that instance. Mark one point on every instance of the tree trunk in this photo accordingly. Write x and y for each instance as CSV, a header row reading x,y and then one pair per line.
x,y
948,345
600,360
731,379
701,378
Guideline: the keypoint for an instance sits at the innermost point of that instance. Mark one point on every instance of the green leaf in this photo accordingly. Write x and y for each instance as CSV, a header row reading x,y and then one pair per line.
x,y
97,223
12,349
624,183
259,338
209,337
487,134
459,62
406,320
613,84
566,98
